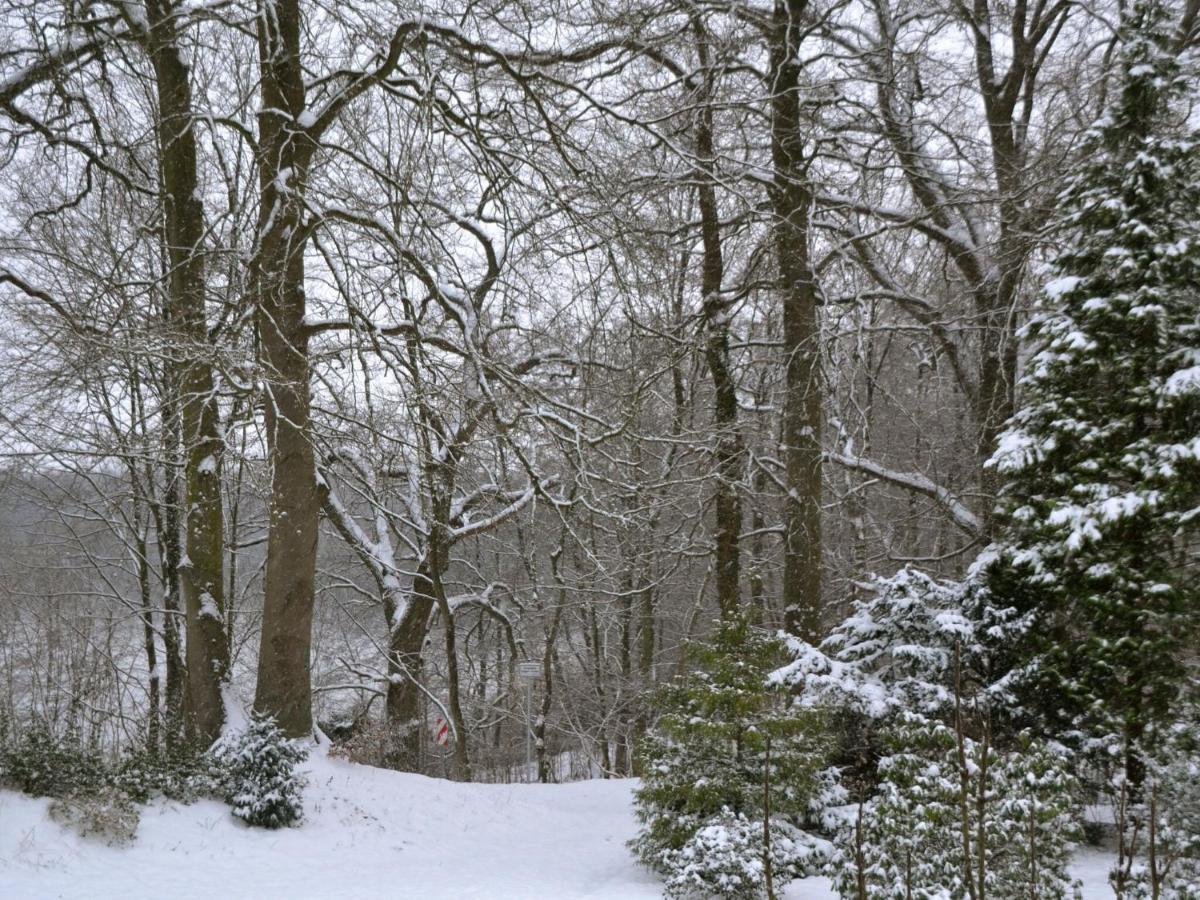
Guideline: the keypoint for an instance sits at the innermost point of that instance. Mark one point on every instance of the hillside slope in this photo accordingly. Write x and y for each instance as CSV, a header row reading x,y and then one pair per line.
x,y
368,833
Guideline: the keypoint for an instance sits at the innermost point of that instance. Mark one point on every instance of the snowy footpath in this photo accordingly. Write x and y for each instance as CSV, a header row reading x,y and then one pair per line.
x,y
367,833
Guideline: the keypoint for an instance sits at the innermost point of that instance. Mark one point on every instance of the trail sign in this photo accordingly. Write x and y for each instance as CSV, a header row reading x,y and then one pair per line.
x,y
441,732
530,670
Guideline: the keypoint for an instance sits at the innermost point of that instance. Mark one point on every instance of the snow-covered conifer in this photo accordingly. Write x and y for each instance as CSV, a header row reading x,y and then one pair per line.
x,y
956,817
1102,461
1159,840
707,780
955,810
258,767
902,648
1034,824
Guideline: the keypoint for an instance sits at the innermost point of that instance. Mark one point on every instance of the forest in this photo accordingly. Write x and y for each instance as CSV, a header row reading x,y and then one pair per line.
x,y
793,405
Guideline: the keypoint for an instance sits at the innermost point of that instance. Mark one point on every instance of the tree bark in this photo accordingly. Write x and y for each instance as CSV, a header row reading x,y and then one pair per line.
x,y
154,681
729,453
165,511
548,651
284,689
202,568
406,641
439,559
791,202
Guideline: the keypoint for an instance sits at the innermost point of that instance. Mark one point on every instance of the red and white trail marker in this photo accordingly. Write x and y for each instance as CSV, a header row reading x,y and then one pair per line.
x,y
441,732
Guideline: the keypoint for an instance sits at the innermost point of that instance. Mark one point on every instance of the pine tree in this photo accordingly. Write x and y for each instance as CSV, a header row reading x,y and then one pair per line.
x,y
1102,462
903,842
259,774
1159,831
724,749
953,808
957,817
907,647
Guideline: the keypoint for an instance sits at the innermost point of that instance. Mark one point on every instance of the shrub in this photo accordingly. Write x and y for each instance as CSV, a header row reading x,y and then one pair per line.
x,y
184,775
725,858
44,765
258,772
1159,823
939,792
108,817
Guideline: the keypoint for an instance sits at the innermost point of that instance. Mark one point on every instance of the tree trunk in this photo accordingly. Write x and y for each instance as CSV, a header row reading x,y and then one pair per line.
x,y
551,638
406,641
165,511
791,202
201,570
284,689
623,761
727,525
439,557
154,688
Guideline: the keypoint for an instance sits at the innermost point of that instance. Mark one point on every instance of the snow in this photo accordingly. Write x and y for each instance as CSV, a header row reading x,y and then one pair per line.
x,y
368,833
1059,286
1183,382
208,606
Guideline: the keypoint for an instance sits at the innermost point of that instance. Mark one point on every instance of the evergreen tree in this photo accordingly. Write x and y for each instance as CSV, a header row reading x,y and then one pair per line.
x,y
1159,831
903,842
1101,461
727,756
957,817
258,770
952,808
908,647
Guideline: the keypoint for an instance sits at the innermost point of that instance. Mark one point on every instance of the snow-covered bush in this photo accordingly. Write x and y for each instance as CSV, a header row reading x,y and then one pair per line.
x,y
184,775
1035,822
954,817
109,817
902,842
901,649
950,804
723,744
727,858
43,764
258,771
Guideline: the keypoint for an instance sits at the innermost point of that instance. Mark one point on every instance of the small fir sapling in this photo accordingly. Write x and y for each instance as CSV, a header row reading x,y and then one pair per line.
x,y
955,817
903,841
729,857
258,766
1159,828
730,768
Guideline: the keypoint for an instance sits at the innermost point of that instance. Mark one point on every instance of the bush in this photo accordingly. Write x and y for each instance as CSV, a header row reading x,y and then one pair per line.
x,y
918,837
184,775
1159,825
258,771
108,817
725,858
44,765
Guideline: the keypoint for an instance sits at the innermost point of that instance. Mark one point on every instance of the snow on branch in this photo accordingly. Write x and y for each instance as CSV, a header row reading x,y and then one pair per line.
x,y
963,517
377,555
480,525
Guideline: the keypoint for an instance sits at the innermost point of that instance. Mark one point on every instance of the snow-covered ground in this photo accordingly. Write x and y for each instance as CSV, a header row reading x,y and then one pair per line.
x,y
368,833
